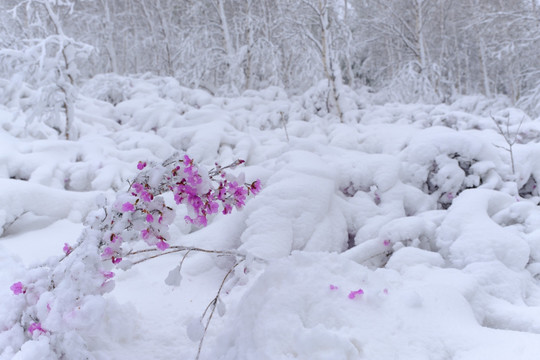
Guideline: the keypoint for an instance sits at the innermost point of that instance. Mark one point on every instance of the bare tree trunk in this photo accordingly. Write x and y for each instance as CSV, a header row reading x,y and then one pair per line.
x,y
327,57
249,36
109,30
227,41
483,62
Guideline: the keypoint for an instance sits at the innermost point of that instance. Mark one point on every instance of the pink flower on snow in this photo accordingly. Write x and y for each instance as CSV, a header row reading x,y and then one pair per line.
x,y
17,288
386,242
107,274
256,187
227,209
356,293
35,327
146,196
67,249
162,245
141,165
201,220
149,218
333,287
107,252
128,207
138,187
145,234
116,260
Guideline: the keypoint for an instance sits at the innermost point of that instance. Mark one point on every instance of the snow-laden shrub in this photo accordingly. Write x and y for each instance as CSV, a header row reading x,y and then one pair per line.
x,y
443,163
409,86
56,308
481,105
49,67
110,88
317,100
530,101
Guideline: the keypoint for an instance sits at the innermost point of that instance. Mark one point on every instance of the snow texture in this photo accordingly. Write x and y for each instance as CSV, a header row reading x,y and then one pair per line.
x,y
415,205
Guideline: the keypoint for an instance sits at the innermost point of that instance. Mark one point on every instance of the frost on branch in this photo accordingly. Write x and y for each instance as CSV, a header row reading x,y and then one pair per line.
x,y
62,299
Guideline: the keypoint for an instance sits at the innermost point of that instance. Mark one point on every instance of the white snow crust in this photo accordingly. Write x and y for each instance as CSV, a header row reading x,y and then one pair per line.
x,y
416,205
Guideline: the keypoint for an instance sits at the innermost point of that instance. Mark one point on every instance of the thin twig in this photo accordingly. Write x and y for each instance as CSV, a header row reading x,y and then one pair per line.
x,y
176,249
213,304
157,255
284,125
510,140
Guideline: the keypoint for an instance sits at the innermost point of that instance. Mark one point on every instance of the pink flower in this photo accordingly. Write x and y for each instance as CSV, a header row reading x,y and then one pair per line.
x,y
255,187
17,288
145,234
141,165
116,260
146,196
107,274
115,238
162,245
333,287
201,220
386,242
128,207
138,187
195,202
178,199
213,207
356,293
107,252
67,249
221,192
149,218
227,209
35,327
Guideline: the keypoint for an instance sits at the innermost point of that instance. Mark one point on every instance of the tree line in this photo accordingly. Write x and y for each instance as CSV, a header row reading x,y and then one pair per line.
x,y
418,50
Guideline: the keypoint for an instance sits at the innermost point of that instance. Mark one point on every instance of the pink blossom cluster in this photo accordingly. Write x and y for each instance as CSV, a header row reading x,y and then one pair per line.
x,y
144,212
203,200
139,213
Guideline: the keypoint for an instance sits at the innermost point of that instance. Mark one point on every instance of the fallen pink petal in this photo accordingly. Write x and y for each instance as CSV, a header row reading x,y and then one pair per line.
x,y
354,294
35,327
67,249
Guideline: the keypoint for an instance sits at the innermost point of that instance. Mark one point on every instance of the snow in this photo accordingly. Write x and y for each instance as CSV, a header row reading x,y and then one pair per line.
x,y
414,204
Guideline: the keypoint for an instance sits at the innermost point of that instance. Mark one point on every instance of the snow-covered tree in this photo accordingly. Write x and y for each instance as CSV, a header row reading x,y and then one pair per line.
x,y
45,59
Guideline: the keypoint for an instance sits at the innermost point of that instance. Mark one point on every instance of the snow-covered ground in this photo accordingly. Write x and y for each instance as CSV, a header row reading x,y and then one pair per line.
x,y
400,233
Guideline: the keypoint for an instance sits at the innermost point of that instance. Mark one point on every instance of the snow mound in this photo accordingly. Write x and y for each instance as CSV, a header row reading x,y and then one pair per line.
x,y
309,306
